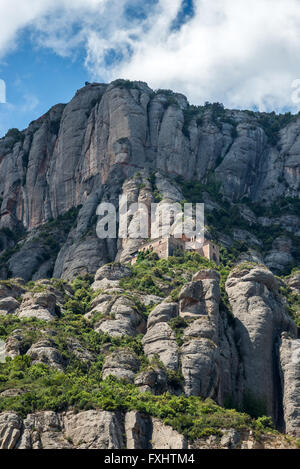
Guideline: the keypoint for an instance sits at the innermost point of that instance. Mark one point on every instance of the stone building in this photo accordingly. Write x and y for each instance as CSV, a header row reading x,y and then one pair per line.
x,y
165,247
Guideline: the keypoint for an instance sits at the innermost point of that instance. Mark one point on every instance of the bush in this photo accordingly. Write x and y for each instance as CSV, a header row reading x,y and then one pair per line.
x,y
15,135
264,423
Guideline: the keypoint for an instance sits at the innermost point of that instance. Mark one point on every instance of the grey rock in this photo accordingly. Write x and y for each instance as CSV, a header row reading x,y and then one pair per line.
x,y
246,236
165,437
12,392
230,439
189,300
280,256
290,380
138,430
11,289
43,430
206,274
201,368
39,305
163,312
94,429
160,340
153,379
109,276
80,352
120,316
8,305
10,430
294,282
123,364
45,351
14,344
260,315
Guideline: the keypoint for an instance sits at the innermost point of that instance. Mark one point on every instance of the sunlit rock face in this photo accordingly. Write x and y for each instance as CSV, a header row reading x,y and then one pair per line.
x,y
110,140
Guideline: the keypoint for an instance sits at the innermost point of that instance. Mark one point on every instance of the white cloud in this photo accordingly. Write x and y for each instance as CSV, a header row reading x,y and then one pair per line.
x,y
242,53
2,92
15,15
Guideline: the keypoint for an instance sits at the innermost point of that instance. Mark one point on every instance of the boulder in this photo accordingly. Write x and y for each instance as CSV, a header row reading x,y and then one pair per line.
x,y
14,345
123,364
260,315
45,351
8,305
160,341
153,379
290,382
120,316
10,430
38,305
108,276
201,368
163,312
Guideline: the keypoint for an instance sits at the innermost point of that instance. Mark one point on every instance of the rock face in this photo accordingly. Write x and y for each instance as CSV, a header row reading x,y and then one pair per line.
x,y
92,429
154,380
290,376
160,341
124,140
8,305
123,364
11,425
44,351
108,141
200,354
119,315
38,305
294,282
247,358
164,312
109,275
260,318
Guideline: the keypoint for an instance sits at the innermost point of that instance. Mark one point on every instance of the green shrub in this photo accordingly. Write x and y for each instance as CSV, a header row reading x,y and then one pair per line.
x,y
15,135
264,423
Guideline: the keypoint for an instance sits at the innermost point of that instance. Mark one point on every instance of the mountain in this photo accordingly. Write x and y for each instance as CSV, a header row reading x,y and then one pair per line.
x,y
176,352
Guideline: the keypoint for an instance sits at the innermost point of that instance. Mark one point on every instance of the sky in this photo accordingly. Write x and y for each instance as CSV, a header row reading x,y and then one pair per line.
x,y
245,54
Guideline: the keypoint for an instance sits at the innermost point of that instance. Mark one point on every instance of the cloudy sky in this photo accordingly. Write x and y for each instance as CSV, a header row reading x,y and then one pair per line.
x,y
243,53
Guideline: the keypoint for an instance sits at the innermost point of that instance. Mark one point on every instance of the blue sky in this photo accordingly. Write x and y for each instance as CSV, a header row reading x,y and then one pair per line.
x,y
208,50
35,81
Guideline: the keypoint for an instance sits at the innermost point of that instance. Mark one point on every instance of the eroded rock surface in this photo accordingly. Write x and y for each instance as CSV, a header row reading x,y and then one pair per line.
x,y
38,305
123,364
160,341
260,317
290,377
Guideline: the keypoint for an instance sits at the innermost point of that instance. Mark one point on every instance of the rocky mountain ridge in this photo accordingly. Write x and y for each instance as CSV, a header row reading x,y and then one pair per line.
x,y
77,348
123,138
169,353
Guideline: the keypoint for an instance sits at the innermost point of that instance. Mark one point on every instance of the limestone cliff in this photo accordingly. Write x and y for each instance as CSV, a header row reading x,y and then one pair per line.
x,y
79,154
116,358
171,353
